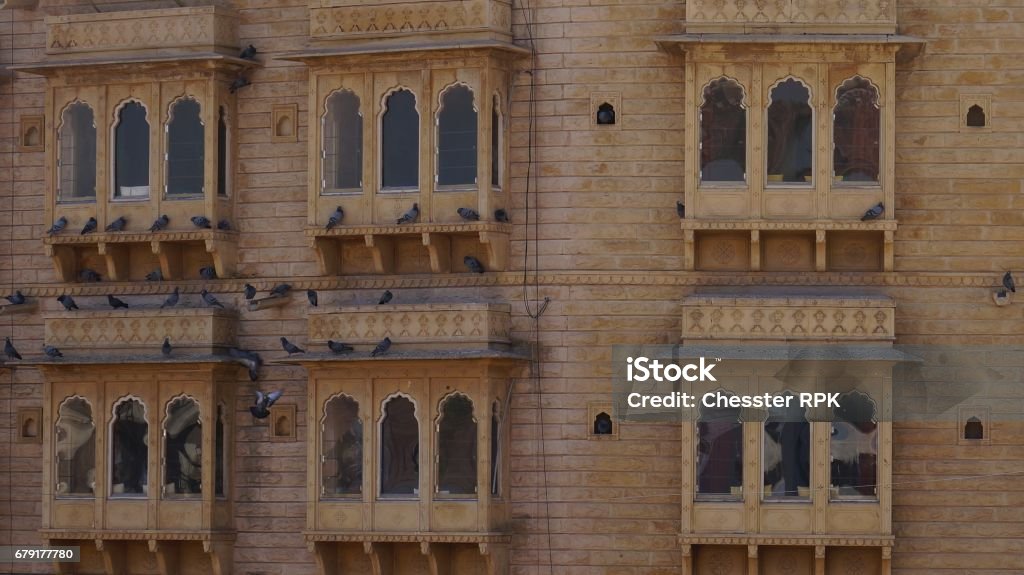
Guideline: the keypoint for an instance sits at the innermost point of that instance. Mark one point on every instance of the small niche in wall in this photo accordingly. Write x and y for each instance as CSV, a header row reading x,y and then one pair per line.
x,y
284,123
30,425
606,110
600,423
282,422
31,134
975,112
975,425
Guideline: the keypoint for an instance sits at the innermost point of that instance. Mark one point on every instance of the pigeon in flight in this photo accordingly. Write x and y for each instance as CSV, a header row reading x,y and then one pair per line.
x,y
51,351
117,225
336,217
239,83
89,275
1008,282
208,273
338,347
386,297
312,297
90,227
9,349
16,299
410,216
261,408
473,264
160,223
171,301
280,289
468,214
249,359
680,209
166,347
68,302
382,347
201,222
224,226
874,213
210,300
115,303
58,226
249,53
501,215
291,347
155,276
250,292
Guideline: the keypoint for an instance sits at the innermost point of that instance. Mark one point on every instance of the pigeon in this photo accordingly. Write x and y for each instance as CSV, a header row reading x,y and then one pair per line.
x,y
335,218
89,275
874,213
210,300
9,349
680,209
291,347
208,273
90,227
58,226
261,409
166,347
249,359
280,289
224,226
468,214
249,53
1008,282
410,216
1001,294
386,297
117,225
501,215
338,347
473,264
250,292
239,83
382,347
115,303
68,302
160,223
312,297
201,222
171,301
155,276
16,299
51,351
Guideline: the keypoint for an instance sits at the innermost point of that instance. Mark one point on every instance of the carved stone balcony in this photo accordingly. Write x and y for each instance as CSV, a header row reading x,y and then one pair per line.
x,y
136,331
359,19
791,16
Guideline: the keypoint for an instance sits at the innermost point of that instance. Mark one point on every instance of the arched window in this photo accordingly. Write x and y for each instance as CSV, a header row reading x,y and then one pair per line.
x,y
456,137
131,152
456,445
76,448
129,431
342,444
974,429
76,154
185,149
497,140
223,157
183,448
723,132
790,133
343,143
400,141
719,452
787,452
220,463
603,424
856,126
854,447
495,449
399,448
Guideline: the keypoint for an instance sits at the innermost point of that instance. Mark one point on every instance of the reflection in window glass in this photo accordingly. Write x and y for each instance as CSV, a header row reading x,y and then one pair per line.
x,y
185,149
342,456
719,452
495,145
400,146
222,153
76,448
456,444
854,447
787,453
399,448
456,138
129,472
220,465
723,133
183,448
76,153
790,133
857,125
343,143
131,152
495,449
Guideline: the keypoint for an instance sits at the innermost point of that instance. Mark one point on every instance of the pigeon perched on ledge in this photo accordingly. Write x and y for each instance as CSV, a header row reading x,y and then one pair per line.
x,y
160,223
501,215
68,302
291,347
166,347
115,303
314,299
874,213
1008,282
410,216
58,226
338,347
155,276
117,225
201,222
171,301
468,214
249,53
51,351
335,218
250,292
280,289
16,299
473,264
89,227
210,300
382,347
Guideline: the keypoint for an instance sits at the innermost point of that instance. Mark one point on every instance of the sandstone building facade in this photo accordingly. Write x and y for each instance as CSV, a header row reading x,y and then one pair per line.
x,y
486,439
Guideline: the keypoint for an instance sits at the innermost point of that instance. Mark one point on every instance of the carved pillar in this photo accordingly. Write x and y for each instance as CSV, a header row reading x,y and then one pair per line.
x,y
752,568
886,560
819,560
755,250
687,560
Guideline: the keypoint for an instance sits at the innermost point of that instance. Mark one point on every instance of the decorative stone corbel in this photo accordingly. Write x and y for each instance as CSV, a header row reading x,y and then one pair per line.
x,y
438,557
166,556
819,560
224,254
819,251
381,558
383,250
497,250
221,557
328,254
496,555
116,256
63,261
169,255
326,556
439,246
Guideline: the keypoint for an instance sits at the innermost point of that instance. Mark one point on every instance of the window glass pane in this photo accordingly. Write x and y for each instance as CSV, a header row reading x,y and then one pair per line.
x,y
76,448
399,449
856,129
220,464
400,149
495,450
185,149
77,153
343,143
342,461
456,444
183,449
129,473
131,153
854,446
222,153
787,453
790,133
723,133
719,452
495,146
456,138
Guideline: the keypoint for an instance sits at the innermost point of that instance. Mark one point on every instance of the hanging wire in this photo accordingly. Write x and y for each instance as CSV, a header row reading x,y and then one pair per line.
x,y
10,231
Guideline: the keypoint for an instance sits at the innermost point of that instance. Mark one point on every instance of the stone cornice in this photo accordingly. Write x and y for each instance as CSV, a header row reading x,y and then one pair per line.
x,y
394,537
140,535
788,540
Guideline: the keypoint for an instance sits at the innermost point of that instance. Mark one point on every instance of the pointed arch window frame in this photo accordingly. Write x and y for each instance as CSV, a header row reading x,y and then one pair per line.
x,y
745,106
338,147
442,106
877,101
168,194
164,436
440,448
812,123
382,142
57,460
110,450
115,196
416,494
357,420
60,146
